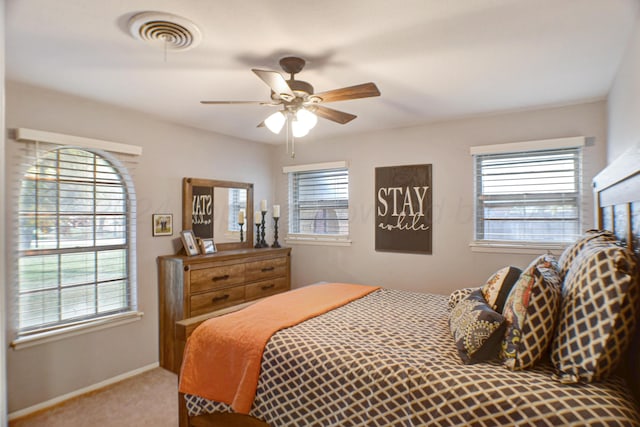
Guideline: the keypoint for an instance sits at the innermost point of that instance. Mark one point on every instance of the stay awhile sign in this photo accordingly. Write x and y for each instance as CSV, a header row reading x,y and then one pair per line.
x,y
404,209
202,212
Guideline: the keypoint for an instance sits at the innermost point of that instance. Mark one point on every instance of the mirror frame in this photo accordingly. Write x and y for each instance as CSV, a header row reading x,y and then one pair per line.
x,y
187,208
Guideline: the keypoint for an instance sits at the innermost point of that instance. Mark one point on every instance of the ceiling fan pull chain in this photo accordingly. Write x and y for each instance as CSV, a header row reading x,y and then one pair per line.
x,y
290,138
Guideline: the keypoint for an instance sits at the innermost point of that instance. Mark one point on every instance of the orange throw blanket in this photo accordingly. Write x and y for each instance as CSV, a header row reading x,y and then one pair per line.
x,y
223,355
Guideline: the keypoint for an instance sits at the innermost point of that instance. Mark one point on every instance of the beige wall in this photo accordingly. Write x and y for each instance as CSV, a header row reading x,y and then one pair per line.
x,y
170,152
3,365
624,101
446,146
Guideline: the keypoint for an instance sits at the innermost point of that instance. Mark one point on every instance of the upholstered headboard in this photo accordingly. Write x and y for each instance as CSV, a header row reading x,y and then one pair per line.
x,y
617,196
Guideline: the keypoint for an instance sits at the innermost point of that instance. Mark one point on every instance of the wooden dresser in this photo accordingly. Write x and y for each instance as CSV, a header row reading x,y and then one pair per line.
x,y
192,287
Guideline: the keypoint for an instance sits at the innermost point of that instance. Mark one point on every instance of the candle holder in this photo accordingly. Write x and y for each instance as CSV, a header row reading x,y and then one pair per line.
x,y
275,233
258,242
241,225
263,242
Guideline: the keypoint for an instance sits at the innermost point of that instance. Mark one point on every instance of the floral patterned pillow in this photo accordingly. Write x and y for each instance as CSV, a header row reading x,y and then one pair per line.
x,y
498,286
476,329
458,295
531,312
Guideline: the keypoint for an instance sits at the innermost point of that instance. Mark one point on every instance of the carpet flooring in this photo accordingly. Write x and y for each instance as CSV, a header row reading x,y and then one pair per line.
x,y
148,399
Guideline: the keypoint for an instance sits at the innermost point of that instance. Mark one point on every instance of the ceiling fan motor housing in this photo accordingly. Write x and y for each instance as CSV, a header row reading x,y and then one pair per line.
x,y
292,64
300,86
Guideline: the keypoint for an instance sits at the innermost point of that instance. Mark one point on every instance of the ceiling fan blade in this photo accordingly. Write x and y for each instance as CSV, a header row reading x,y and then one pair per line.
x,y
276,82
333,115
236,102
364,90
261,124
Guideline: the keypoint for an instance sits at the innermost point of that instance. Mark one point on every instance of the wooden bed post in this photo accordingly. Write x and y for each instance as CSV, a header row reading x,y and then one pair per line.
x,y
183,416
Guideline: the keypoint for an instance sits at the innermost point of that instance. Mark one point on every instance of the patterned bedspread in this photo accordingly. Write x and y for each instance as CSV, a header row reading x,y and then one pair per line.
x,y
388,359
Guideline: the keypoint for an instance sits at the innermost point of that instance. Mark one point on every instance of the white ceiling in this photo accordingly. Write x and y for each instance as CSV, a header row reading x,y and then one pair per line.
x,y
431,59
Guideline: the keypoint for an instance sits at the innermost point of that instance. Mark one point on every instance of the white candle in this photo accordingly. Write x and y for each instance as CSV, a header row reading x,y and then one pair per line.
x,y
276,211
257,217
263,205
241,216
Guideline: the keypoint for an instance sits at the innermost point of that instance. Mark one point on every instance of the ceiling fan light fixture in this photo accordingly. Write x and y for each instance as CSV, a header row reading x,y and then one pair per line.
x,y
275,122
299,129
306,118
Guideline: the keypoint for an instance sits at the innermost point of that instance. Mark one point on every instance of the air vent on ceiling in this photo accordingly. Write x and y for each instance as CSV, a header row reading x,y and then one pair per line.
x,y
165,30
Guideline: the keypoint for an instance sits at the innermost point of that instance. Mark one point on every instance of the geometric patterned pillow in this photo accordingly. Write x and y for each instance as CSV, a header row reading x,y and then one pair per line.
x,y
589,238
498,286
476,329
531,312
458,295
598,314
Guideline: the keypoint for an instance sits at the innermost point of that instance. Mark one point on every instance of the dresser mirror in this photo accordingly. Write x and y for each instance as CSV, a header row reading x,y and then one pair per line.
x,y
211,209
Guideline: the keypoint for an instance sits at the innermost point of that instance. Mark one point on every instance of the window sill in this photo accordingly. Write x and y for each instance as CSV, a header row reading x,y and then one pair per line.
x,y
516,248
74,330
317,240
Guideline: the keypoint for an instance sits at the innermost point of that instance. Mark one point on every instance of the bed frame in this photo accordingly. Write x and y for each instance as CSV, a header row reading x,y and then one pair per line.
x,y
617,199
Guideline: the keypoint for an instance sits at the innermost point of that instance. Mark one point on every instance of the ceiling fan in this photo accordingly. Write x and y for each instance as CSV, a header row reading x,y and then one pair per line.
x,y
300,105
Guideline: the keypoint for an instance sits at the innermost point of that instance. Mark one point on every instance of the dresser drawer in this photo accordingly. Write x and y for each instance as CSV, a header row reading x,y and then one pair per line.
x,y
259,270
215,300
266,288
216,277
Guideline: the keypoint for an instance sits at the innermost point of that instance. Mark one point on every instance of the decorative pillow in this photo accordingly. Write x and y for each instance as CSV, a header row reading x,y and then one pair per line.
x,y
498,286
530,313
590,237
598,314
458,295
476,329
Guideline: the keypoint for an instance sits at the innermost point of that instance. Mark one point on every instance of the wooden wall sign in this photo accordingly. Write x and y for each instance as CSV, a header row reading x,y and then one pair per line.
x,y
202,211
197,206
404,209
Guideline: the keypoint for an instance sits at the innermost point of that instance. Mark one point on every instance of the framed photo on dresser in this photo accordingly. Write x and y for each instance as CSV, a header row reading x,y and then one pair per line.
x,y
207,246
189,242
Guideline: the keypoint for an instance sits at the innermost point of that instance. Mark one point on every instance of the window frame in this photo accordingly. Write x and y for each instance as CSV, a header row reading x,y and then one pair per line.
x,y
118,156
543,146
315,238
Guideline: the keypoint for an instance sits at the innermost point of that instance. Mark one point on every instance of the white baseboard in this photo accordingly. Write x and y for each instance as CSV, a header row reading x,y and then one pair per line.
x,y
52,402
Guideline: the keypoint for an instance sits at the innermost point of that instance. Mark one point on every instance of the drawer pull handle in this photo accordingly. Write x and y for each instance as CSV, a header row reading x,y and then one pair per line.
x,y
218,278
220,298
267,287
264,270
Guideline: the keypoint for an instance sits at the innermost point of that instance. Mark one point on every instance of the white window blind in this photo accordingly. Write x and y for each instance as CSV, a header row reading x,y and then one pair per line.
x,y
75,237
529,196
319,202
237,202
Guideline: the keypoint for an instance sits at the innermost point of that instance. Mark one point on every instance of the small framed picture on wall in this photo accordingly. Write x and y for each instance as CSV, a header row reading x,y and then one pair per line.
x,y
189,242
162,224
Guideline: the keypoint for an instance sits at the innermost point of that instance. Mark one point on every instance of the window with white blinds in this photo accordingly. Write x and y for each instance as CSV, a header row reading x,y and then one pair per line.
x,y
73,246
74,240
529,196
319,202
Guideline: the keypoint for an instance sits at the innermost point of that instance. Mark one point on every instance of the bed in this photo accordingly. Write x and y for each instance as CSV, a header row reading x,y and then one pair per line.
x,y
387,357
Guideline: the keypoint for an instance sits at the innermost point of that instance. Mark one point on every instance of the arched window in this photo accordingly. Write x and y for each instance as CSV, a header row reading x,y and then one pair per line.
x,y
75,236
